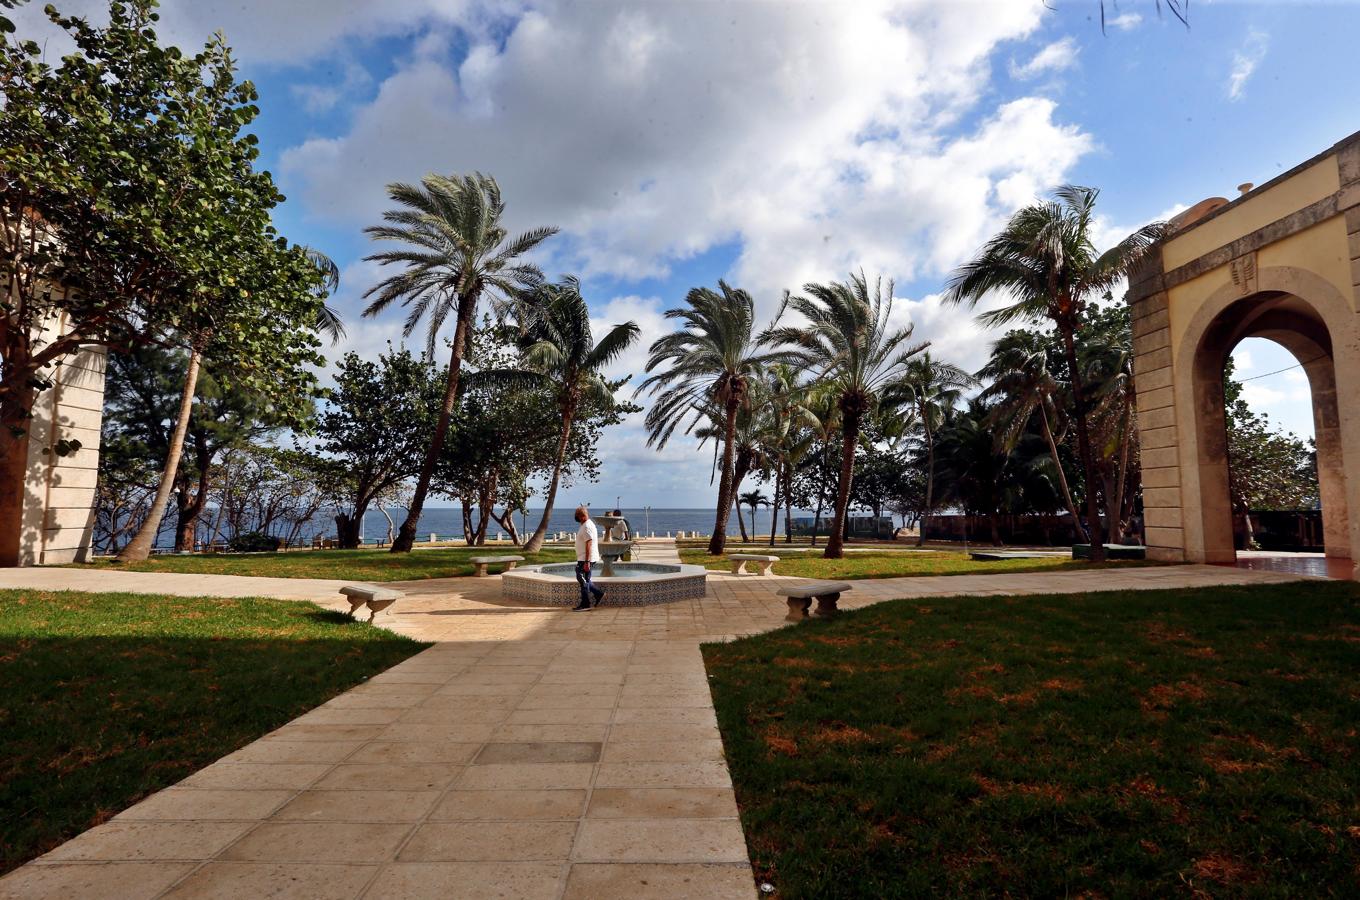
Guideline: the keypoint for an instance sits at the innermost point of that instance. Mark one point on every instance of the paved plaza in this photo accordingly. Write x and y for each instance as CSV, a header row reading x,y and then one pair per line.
x,y
528,753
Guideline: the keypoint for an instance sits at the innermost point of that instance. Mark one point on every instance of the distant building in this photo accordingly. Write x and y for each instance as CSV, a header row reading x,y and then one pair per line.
x,y
859,526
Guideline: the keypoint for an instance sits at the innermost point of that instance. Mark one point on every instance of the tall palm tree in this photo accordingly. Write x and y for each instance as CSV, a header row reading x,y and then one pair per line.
x,y
559,349
1022,387
754,500
457,250
1045,260
713,359
930,389
785,436
849,342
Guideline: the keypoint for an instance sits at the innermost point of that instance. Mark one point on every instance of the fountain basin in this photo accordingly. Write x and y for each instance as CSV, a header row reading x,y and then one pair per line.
x,y
631,584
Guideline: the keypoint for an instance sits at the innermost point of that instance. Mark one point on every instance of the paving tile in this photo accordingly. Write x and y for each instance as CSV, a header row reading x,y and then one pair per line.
x,y
124,880
660,840
388,752
631,881
659,731
559,716
662,751
389,777
442,880
528,776
281,751
332,716
149,841
205,805
496,689
257,776
461,806
277,881
467,733
662,803
571,702
319,842
478,841
661,715
357,806
674,699
448,715
539,752
551,732
329,733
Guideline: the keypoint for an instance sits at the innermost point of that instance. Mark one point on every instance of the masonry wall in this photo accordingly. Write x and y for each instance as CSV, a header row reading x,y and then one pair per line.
x,y
58,522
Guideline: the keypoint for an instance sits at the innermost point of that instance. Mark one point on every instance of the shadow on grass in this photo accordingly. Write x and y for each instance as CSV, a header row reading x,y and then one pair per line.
x,y
91,723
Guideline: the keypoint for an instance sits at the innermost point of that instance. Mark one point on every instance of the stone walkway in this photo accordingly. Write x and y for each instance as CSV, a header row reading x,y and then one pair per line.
x,y
529,753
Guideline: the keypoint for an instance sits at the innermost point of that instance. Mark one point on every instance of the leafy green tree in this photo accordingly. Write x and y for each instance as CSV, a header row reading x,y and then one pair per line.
x,y
371,431
560,352
1045,260
713,359
930,389
130,212
456,250
849,342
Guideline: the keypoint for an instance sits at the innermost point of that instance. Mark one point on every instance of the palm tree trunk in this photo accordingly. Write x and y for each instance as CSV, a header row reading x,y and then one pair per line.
x,y
1088,462
1115,511
718,541
1062,476
788,503
139,548
406,537
930,477
774,505
835,541
535,543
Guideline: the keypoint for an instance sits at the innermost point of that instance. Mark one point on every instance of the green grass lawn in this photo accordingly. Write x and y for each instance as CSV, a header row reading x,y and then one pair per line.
x,y
1187,743
348,565
109,697
892,564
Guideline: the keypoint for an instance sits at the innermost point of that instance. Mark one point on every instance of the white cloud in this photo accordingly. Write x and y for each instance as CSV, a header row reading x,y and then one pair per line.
x,y
1058,56
1245,62
1242,361
323,97
1125,21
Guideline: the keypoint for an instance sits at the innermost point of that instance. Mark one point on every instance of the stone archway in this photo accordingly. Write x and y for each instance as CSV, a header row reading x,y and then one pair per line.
x,y
1281,262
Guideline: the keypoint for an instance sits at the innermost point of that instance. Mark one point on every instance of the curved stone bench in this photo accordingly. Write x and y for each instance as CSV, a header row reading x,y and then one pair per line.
x,y
739,561
826,593
481,562
375,598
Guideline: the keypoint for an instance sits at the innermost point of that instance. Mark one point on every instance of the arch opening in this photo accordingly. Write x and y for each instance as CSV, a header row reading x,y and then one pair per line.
x,y
1291,322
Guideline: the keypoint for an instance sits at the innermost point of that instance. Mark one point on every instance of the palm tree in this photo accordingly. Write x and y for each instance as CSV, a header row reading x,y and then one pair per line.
x,y
850,344
1022,386
1045,260
753,499
712,360
785,436
457,251
559,349
328,321
930,389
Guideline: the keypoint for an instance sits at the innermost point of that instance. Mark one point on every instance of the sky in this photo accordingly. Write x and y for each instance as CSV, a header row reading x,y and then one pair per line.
x,y
771,143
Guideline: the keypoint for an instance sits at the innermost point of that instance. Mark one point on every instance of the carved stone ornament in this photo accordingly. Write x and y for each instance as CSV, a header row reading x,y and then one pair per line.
x,y
1244,273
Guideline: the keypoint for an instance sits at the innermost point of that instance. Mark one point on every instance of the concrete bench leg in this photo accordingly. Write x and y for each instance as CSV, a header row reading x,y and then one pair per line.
x,y
765,568
377,606
826,606
510,565
480,570
798,609
738,567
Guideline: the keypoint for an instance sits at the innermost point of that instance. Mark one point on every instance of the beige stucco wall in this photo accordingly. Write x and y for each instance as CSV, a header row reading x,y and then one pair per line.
x,y
1298,236
58,520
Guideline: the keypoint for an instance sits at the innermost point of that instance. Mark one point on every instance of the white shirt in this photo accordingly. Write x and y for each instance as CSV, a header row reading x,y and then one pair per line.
x,y
588,533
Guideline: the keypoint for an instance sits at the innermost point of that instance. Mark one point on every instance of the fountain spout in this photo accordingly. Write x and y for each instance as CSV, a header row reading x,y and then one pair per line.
x,y
611,548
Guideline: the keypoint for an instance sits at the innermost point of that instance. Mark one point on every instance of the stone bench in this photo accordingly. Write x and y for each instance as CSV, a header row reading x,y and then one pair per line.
x,y
826,593
375,598
739,561
481,562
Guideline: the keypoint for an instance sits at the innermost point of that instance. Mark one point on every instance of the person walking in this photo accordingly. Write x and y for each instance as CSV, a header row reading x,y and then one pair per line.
x,y
587,554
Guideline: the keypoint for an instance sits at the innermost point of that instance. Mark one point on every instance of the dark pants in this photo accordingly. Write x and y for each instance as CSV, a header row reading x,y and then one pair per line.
x,y
583,579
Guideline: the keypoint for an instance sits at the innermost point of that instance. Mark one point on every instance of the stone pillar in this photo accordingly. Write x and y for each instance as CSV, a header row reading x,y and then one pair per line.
x,y
1162,514
59,522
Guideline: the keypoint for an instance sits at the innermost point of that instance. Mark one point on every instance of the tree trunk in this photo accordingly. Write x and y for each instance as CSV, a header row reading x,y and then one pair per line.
x,y
835,541
930,478
996,532
816,520
1057,464
467,520
788,503
535,543
139,548
16,412
390,524
741,468
1115,505
718,541
774,505
347,528
507,521
406,537
1094,527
